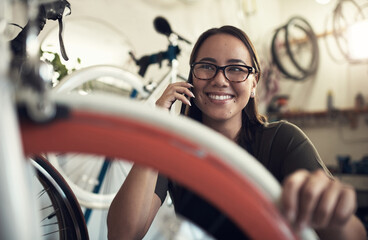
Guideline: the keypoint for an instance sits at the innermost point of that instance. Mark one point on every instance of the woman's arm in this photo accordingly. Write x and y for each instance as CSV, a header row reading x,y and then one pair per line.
x,y
134,206
311,197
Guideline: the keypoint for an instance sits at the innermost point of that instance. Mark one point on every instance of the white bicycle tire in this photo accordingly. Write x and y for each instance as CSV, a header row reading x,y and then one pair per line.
x,y
75,79
86,197
81,76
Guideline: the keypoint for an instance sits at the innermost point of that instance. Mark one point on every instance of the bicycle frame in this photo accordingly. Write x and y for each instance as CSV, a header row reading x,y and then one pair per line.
x,y
18,208
12,162
19,217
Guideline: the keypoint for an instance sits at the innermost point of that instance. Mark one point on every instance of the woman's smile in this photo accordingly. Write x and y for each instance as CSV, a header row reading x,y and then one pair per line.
x,y
219,97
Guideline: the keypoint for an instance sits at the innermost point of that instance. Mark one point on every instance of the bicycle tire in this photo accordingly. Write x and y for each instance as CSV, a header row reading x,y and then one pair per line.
x,y
327,45
301,72
336,28
194,156
87,197
277,61
307,28
83,183
66,208
81,76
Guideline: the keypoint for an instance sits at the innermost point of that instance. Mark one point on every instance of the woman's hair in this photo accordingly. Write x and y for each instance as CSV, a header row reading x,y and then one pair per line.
x,y
250,116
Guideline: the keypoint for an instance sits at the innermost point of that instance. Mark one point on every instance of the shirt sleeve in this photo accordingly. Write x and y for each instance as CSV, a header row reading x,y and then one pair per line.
x,y
162,185
292,150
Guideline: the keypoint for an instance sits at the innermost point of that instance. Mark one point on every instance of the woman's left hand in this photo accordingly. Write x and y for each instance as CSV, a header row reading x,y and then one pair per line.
x,y
312,199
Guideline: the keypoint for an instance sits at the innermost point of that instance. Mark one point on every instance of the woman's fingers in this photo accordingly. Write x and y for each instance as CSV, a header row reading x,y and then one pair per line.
x,y
326,206
310,193
315,200
345,206
290,194
175,91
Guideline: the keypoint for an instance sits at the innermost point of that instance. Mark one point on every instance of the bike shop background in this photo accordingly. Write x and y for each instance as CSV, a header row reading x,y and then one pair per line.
x,y
330,105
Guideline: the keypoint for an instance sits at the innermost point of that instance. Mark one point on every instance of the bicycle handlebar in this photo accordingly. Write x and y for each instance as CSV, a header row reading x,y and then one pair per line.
x,y
147,60
47,11
162,26
26,65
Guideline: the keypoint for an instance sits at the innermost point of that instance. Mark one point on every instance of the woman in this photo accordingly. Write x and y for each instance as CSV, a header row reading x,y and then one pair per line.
x,y
220,93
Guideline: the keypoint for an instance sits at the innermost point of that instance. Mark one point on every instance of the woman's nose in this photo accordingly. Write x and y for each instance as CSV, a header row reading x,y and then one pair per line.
x,y
220,79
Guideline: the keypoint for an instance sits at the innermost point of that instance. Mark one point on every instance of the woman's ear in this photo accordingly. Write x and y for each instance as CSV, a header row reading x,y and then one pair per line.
x,y
254,86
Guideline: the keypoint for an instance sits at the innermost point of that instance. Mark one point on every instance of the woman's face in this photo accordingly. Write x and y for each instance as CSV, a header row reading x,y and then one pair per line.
x,y
219,99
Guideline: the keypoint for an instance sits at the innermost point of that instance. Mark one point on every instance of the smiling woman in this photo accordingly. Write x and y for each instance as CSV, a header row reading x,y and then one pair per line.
x,y
220,93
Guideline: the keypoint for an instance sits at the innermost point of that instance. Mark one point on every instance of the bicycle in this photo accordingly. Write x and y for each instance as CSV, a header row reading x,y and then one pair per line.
x,y
195,156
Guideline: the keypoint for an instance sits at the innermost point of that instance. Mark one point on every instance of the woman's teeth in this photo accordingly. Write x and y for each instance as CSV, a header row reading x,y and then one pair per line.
x,y
219,97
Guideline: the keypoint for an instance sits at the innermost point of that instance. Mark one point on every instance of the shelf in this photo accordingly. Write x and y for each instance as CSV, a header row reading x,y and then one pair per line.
x,y
350,115
319,114
359,182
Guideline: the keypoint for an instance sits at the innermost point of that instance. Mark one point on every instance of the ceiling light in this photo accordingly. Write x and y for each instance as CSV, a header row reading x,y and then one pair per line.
x,y
323,2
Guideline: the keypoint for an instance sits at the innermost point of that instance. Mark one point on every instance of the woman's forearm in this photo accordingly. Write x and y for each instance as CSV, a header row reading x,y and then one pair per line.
x,y
134,206
352,230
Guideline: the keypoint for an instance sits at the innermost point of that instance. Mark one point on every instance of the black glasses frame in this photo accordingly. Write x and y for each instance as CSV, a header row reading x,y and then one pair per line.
x,y
250,70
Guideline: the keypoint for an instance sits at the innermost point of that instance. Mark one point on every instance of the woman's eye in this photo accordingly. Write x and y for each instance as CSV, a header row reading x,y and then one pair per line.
x,y
235,69
206,67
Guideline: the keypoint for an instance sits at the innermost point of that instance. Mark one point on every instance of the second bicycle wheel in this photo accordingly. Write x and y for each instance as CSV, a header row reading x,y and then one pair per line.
x,y
61,216
295,50
94,179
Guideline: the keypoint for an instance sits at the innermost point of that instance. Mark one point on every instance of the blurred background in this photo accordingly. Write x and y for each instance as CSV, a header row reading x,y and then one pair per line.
x,y
314,58
104,31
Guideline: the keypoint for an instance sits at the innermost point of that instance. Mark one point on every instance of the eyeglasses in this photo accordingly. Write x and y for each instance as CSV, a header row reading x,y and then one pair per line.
x,y
233,73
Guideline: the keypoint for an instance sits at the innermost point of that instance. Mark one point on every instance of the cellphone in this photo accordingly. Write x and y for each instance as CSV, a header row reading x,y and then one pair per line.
x,y
184,106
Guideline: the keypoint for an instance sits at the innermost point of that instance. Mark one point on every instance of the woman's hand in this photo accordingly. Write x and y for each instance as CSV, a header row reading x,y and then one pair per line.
x,y
175,91
312,199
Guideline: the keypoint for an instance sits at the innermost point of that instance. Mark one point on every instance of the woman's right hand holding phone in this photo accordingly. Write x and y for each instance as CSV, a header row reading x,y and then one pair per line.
x,y
175,91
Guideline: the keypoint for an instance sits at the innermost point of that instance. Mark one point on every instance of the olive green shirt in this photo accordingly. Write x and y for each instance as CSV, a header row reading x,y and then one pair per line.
x,y
280,146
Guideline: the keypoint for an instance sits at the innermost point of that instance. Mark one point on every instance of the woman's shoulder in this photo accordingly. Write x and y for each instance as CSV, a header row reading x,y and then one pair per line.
x,y
280,125
282,128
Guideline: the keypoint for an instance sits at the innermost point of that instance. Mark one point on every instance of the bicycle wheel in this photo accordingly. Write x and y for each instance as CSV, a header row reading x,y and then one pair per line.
x,y
294,49
194,156
93,179
345,14
128,82
92,189
61,217
302,45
